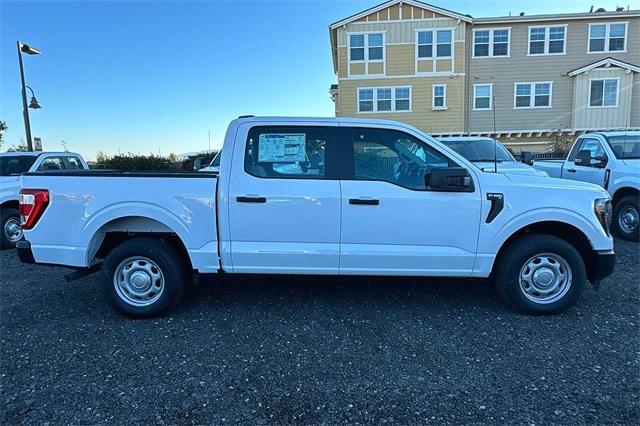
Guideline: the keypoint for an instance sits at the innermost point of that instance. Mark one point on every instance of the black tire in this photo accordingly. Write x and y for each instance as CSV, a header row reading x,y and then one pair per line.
x,y
6,215
629,205
172,268
518,254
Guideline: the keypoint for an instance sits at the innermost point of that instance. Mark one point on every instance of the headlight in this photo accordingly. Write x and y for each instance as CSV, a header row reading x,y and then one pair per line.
x,y
604,212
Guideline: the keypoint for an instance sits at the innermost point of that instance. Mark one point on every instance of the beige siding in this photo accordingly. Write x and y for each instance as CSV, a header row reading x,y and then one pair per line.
x,y
401,59
504,72
393,13
400,31
635,102
422,114
585,117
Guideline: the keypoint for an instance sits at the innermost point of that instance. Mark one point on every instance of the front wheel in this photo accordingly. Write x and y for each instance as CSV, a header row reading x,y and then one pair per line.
x,y
143,277
541,274
626,218
11,230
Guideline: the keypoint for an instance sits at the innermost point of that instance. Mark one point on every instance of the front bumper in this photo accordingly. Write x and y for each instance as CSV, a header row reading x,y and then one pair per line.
x,y
602,266
25,254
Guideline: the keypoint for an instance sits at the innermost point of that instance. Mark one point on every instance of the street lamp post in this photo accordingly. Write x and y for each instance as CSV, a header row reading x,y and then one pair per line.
x,y
29,50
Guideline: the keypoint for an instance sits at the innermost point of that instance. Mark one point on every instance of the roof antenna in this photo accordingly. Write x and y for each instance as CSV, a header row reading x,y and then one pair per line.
x,y
495,142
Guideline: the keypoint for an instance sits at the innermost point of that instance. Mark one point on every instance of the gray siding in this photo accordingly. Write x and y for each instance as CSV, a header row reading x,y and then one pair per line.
x,y
504,72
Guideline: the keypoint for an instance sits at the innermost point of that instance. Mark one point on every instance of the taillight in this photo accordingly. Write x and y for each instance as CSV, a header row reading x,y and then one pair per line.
x,y
33,203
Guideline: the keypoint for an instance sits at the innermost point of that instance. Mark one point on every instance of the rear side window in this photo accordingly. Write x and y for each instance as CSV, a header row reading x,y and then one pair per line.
x,y
74,163
51,163
292,152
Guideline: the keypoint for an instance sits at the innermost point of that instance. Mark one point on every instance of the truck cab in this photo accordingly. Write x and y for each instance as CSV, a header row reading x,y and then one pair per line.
x,y
612,161
12,166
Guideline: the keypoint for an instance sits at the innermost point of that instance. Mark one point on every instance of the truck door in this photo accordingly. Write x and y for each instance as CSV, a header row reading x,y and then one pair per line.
x,y
391,223
284,200
586,173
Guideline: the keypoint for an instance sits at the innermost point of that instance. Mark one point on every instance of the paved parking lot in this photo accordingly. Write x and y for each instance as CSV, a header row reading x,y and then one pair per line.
x,y
256,349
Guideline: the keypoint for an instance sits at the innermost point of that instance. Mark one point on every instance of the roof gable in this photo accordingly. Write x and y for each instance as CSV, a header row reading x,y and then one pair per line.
x,y
605,63
393,9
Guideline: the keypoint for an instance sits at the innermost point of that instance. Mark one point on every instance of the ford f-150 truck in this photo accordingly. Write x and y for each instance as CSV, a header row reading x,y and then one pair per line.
x,y
12,165
334,196
611,160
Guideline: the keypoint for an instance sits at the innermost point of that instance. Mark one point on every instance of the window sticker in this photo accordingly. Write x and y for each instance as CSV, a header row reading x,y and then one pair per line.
x,y
281,148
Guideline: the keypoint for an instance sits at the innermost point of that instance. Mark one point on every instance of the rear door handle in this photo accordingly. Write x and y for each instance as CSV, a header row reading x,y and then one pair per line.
x,y
251,199
571,170
364,201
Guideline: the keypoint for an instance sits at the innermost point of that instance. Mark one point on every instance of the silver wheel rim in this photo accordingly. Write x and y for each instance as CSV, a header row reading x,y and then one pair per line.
x,y
12,229
138,281
545,278
628,219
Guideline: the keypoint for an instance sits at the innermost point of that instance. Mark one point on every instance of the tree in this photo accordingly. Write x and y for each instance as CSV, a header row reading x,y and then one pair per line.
x,y
3,128
22,147
173,157
101,157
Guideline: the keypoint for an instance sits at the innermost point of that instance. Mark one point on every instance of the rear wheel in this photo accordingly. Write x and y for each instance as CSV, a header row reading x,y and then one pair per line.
x,y
541,274
143,277
11,230
626,218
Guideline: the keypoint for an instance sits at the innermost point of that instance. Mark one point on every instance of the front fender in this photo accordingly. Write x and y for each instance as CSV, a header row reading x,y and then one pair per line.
x,y
591,228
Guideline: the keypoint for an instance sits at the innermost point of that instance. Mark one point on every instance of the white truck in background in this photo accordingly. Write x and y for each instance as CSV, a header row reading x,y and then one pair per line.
x,y
331,196
14,164
611,160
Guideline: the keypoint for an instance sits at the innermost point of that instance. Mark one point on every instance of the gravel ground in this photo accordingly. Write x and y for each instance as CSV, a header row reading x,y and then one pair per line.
x,y
311,350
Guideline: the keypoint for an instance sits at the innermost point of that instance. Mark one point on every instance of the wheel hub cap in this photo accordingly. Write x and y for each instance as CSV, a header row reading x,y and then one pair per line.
x,y
12,229
628,219
545,278
138,281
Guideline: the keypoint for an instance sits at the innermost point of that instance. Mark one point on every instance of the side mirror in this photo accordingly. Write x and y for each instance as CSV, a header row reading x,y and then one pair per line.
x,y
583,158
449,179
527,157
197,163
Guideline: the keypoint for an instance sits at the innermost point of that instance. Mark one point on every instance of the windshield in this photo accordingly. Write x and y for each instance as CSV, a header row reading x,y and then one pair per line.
x,y
625,146
480,150
16,165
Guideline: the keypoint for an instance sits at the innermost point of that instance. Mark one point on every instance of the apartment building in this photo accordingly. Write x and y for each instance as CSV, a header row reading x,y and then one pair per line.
x,y
532,81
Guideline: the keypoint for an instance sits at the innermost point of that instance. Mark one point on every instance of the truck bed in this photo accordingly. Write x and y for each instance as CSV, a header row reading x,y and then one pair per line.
x,y
552,167
85,205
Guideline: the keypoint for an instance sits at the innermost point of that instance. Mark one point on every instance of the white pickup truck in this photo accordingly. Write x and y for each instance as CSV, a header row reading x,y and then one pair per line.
x,y
611,160
14,164
333,196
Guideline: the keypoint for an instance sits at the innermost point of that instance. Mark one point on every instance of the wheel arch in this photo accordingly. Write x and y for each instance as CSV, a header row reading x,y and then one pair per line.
x,y
123,228
563,230
624,192
11,204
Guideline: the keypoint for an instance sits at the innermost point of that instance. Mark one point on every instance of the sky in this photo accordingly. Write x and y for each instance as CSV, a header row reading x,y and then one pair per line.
x,y
153,76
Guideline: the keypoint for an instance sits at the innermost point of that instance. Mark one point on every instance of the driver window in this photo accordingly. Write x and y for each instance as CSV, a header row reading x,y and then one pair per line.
x,y
592,145
394,157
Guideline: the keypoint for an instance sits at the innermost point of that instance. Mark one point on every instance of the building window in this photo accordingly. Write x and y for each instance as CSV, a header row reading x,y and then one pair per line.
x,y
549,40
482,96
403,98
608,37
491,43
367,47
365,100
439,98
533,95
384,99
603,93
443,40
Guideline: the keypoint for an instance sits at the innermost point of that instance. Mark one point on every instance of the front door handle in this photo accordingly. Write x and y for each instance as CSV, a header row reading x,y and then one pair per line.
x,y
251,199
364,201
571,170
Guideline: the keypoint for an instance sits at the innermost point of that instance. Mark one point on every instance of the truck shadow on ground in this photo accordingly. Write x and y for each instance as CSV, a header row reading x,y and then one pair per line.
x,y
291,291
